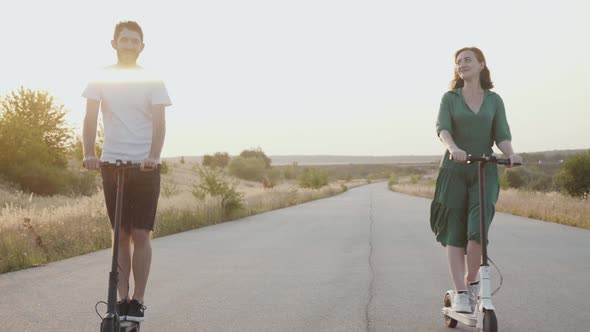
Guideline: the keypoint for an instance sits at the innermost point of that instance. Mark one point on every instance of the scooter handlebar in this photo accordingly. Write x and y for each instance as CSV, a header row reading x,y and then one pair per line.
x,y
506,162
122,164
489,159
119,164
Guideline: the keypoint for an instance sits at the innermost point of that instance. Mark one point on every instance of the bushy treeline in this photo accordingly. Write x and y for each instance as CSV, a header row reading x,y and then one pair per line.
x,y
36,144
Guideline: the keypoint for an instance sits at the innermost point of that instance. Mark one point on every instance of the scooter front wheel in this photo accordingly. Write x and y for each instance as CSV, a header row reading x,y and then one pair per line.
x,y
109,325
449,322
490,323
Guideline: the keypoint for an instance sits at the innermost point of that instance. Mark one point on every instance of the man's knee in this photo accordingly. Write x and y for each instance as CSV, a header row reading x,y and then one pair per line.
x,y
124,236
141,236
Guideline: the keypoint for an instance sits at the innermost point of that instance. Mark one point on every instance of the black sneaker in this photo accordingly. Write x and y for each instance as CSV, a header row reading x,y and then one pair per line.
x,y
135,312
122,308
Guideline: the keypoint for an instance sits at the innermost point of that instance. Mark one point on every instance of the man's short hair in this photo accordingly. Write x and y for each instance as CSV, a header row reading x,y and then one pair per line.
x,y
129,25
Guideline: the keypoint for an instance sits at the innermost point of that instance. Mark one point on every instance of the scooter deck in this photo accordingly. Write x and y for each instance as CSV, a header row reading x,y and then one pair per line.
x,y
128,326
464,318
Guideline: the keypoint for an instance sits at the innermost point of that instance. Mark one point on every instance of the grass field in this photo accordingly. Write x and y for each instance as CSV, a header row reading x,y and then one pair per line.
x,y
548,206
36,230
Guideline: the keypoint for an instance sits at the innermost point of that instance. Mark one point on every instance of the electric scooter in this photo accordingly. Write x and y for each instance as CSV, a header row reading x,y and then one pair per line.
x,y
111,321
484,315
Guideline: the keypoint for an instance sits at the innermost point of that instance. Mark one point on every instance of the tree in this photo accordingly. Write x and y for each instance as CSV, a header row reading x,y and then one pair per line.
x,y
514,178
219,159
34,141
574,176
77,145
32,127
251,169
258,154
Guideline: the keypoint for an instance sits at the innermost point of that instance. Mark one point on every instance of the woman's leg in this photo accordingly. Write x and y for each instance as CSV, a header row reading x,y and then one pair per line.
x,y
473,260
456,257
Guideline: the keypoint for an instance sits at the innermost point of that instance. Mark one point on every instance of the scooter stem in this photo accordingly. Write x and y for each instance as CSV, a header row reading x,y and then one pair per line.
x,y
482,212
114,274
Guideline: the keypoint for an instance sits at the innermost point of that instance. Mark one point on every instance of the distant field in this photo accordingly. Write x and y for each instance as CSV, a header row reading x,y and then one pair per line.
x,y
334,160
365,171
529,157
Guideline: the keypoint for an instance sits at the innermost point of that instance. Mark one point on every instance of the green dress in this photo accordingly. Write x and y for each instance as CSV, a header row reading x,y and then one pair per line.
x,y
454,212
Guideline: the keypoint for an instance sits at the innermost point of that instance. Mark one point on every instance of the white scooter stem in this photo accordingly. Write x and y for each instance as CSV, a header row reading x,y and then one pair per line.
x,y
485,294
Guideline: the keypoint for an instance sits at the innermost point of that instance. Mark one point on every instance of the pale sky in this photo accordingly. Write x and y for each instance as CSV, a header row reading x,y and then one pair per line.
x,y
315,77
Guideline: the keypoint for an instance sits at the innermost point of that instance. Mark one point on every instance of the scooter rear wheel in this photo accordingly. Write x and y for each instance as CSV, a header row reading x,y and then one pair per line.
x,y
127,326
449,322
490,323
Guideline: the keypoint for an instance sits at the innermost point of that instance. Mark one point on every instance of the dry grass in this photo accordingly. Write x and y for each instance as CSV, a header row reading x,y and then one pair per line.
x,y
552,207
37,230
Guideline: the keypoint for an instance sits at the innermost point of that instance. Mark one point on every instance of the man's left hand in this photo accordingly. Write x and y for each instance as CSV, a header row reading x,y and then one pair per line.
x,y
148,165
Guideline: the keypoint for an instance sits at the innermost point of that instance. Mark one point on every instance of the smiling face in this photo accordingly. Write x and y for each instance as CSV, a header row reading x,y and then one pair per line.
x,y
468,66
128,45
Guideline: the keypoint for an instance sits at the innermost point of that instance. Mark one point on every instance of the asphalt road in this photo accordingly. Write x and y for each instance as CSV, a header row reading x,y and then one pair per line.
x,y
364,260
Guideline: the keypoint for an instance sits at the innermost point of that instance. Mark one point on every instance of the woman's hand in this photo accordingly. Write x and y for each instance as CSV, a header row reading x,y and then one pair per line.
x,y
457,155
514,159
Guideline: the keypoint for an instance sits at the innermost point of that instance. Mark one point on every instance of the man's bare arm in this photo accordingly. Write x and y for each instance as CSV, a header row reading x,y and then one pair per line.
x,y
158,134
89,134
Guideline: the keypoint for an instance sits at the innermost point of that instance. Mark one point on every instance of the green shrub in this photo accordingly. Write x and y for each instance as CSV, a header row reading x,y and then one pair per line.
x,y
214,183
289,173
504,183
393,180
514,177
256,154
169,189
219,159
271,178
164,169
574,177
251,169
47,180
415,178
378,176
313,178
83,183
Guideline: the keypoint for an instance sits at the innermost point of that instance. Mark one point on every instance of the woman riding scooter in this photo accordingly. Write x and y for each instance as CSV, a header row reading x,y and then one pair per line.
x,y
471,118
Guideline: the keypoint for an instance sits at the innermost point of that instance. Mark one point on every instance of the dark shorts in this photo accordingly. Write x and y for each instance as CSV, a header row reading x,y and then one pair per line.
x,y
140,197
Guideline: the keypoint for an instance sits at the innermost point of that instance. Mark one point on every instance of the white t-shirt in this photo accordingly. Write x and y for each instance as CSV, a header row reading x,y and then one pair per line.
x,y
127,97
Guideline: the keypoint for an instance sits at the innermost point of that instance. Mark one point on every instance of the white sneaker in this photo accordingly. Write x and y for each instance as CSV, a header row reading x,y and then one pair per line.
x,y
461,303
473,295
